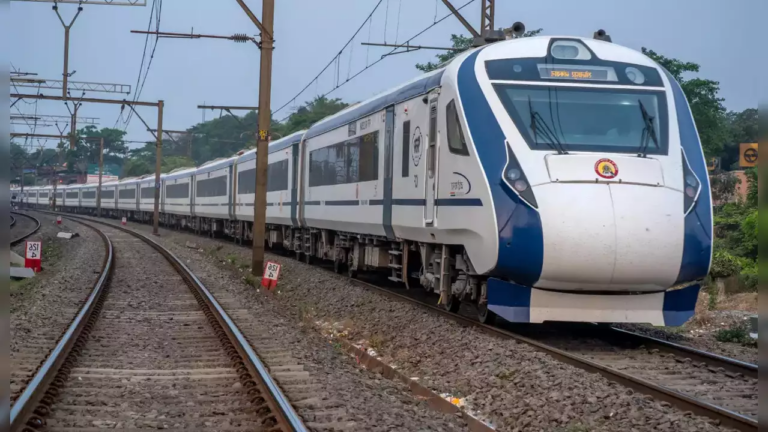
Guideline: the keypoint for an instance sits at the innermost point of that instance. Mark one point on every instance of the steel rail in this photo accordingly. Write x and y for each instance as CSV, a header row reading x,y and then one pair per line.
x,y
277,401
13,221
26,408
727,363
24,236
684,402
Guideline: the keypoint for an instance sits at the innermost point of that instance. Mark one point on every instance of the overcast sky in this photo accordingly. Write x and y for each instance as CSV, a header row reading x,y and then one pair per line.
x,y
719,35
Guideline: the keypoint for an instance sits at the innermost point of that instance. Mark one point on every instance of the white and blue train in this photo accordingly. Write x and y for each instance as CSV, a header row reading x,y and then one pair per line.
x,y
544,178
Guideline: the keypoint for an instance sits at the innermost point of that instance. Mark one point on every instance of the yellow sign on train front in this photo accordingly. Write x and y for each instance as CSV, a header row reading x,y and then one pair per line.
x,y
748,155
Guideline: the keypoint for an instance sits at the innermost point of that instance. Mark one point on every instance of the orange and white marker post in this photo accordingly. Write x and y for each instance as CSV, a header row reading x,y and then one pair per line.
x,y
33,256
58,220
123,222
271,273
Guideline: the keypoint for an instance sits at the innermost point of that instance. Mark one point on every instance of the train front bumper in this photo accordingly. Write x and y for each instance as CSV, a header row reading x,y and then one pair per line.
x,y
516,303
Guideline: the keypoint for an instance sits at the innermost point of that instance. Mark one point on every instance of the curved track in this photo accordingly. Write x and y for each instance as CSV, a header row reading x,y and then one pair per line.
x,y
27,225
700,382
151,347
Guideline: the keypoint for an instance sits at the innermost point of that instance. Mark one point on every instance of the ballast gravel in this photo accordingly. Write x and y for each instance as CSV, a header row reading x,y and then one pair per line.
x,y
41,308
507,384
368,401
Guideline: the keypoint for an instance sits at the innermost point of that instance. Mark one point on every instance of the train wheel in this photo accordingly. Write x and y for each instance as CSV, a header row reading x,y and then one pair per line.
x,y
298,255
308,258
338,266
453,305
484,315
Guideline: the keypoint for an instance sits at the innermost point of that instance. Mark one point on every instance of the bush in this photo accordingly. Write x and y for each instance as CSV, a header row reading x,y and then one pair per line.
x,y
724,265
737,334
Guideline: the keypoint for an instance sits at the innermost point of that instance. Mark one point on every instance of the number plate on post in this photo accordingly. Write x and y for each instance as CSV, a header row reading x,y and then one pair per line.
x,y
271,273
33,255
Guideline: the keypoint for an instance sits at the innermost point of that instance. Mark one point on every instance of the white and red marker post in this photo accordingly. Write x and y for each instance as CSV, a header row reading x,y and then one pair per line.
x,y
123,221
33,255
271,273
58,220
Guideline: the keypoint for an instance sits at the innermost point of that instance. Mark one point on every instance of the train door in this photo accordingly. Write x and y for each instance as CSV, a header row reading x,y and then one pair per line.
x,y
430,183
389,141
295,183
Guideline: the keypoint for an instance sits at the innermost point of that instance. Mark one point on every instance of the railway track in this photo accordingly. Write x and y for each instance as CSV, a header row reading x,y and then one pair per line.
x,y
151,348
29,226
703,383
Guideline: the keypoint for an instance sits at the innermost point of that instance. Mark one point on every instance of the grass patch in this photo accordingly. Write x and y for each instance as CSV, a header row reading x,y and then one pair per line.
x,y
244,266
251,280
232,259
376,342
738,333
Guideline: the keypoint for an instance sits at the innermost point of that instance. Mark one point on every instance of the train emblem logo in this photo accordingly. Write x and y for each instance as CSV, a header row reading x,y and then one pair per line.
x,y
417,146
606,168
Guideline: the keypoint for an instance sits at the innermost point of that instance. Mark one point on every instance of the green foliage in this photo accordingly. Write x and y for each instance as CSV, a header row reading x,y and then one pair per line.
x,y
752,190
707,108
312,112
738,333
171,163
723,185
462,43
742,128
724,264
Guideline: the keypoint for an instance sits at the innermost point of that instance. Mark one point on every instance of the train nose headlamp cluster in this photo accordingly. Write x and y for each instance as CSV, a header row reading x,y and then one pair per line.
x,y
635,75
515,179
691,185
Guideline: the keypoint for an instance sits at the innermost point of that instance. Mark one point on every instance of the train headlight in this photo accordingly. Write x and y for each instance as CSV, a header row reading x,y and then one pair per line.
x,y
691,184
513,174
514,179
635,75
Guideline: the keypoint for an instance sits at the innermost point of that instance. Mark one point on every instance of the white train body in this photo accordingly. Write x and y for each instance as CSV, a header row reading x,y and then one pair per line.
x,y
545,178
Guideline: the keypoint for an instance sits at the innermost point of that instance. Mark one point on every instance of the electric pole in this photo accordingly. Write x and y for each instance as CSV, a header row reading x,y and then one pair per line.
x,y
158,166
265,121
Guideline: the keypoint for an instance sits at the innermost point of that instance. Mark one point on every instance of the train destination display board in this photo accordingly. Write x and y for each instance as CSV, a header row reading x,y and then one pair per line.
x,y
576,73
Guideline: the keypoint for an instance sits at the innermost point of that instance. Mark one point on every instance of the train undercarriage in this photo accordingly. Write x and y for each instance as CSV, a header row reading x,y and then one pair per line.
x,y
411,263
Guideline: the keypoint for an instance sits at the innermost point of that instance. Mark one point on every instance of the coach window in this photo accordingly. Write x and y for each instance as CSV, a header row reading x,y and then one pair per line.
x,y
351,161
147,192
406,147
212,187
107,194
58,195
456,143
177,191
91,194
127,194
71,195
277,176
246,181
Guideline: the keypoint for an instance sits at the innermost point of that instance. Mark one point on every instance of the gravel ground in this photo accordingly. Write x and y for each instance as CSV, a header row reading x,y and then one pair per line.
x,y
152,360
508,384
704,338
353,399
41,308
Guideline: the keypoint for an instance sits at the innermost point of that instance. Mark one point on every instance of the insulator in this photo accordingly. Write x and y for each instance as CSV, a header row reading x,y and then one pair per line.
x,y
240,37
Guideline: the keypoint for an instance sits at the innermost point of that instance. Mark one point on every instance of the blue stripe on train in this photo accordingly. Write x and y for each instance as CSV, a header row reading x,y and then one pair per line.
x,y
521,239
697,249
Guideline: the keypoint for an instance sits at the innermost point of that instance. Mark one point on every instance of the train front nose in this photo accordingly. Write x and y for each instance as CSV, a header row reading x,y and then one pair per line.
x,y
601,234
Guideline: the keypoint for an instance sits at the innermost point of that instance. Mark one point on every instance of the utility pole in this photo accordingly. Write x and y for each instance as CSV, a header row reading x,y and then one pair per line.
x,y
101,171
265,121
65,75
73,128
158,165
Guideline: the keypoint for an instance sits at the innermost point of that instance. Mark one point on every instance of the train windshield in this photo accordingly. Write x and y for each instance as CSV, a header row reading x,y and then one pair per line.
x,y
588,119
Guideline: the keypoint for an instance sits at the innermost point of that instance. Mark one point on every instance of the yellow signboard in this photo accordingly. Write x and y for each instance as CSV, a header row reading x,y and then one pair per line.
x,y
748,155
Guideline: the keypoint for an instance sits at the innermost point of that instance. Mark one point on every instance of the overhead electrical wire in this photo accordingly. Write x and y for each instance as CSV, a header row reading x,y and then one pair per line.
x,y
402,45
332,60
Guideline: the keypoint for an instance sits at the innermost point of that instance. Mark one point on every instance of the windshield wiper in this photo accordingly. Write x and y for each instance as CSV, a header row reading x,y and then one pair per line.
x,y
538,122
649,131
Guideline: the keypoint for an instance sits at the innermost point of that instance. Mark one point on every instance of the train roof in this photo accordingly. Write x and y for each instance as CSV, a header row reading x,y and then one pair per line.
x,y
411,89
274,146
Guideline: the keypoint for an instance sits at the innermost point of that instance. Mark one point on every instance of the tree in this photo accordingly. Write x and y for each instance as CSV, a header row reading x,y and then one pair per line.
x,y
314,111
742,128
463,43
707,108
